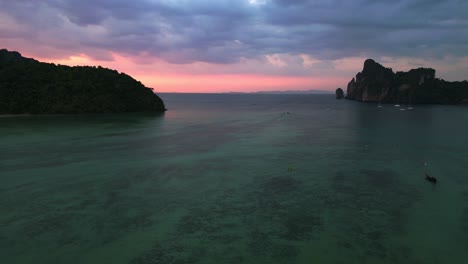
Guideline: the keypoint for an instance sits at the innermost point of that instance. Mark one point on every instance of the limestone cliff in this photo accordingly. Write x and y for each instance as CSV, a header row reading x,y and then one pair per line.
x,y
379,84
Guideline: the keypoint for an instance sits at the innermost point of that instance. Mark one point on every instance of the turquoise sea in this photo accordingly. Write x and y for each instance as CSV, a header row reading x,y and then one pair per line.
x,y
237,178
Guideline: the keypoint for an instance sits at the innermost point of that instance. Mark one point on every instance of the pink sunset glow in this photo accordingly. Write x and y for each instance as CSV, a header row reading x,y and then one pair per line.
x,y
235,46
159,75
273,73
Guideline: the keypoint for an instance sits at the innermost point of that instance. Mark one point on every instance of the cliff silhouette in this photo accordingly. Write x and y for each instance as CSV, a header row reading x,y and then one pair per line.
x,y
375,83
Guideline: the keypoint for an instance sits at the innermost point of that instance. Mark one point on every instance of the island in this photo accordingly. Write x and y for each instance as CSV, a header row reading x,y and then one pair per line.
x,y
377,83
28,86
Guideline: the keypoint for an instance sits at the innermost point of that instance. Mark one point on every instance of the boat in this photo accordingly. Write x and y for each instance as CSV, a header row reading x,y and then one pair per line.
x,y
396,102
409,103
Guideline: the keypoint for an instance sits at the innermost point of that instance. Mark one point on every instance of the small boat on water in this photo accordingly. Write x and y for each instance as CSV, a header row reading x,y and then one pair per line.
x,y
410,99
431,179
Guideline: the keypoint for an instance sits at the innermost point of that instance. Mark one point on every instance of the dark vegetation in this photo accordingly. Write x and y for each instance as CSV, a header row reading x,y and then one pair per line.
x,y
31,87
418,86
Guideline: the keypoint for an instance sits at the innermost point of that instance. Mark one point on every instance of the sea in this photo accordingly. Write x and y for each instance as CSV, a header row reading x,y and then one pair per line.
x,y
237,178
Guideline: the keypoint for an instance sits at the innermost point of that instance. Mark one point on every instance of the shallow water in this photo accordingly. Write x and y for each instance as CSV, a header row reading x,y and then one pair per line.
x,y
237,179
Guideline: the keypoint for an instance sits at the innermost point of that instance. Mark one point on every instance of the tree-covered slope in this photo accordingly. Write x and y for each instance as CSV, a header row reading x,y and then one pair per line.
x,y
31,87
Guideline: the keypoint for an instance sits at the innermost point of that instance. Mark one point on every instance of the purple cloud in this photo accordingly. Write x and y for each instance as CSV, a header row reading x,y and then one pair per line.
x,y
225,31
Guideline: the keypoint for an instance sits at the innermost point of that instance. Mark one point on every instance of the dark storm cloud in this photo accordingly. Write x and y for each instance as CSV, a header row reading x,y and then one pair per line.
x,y
393,28
223,31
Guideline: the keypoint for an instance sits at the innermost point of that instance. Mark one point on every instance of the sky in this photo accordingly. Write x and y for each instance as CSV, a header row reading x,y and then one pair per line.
x,y
241,45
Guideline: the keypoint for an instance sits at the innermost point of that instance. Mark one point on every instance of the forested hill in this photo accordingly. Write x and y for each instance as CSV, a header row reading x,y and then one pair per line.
x,y
31,87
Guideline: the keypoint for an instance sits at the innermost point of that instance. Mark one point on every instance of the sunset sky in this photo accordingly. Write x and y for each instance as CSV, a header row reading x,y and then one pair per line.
x,y
241,45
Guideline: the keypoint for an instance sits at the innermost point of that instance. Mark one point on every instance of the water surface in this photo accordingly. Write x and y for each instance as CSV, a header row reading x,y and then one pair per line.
x,y
237,179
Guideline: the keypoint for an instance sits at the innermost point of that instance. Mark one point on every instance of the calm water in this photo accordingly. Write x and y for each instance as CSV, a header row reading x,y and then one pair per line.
x,y
237,179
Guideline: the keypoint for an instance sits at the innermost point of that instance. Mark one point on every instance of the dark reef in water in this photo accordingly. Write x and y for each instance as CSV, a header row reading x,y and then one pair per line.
x,y
418,86
28,86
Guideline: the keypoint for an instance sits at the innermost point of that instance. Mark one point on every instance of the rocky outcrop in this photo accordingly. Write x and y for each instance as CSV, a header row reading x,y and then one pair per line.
x,y
339,93
28,86
379,84
373,83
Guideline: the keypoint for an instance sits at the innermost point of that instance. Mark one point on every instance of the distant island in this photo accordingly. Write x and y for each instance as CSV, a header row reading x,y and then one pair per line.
x,y
286,92
418,86
28,86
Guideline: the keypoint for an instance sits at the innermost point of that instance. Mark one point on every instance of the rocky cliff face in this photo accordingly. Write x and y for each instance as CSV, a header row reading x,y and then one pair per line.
x,y
373,83
379,84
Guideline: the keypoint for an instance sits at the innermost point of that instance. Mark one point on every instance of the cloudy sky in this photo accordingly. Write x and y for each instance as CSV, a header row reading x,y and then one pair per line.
x,y
241,45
